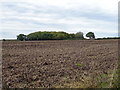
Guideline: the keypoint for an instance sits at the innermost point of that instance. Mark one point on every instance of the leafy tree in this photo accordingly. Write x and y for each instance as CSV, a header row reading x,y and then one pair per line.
x,y
21,37
61,36
90,35
71,36
45,36
48,36
4,40
79,35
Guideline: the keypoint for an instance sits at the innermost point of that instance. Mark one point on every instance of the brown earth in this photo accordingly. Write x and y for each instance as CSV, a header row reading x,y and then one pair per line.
x,y
59,63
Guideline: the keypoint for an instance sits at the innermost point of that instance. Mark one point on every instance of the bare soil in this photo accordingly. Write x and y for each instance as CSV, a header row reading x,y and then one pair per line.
x,y
59,63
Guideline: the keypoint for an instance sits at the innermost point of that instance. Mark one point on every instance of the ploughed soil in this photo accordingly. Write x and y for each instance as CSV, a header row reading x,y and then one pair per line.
x,y
56,63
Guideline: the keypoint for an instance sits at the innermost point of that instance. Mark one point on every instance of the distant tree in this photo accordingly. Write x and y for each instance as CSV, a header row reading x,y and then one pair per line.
x,y
4,40
71,36
79,35
90,35
21,37
62,35
48,36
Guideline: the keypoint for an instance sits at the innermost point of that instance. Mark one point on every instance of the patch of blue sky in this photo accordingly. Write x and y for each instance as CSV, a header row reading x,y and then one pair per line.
x,y
107,34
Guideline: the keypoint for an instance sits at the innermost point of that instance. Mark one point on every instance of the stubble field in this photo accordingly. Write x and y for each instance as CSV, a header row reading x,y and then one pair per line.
x,y
59,63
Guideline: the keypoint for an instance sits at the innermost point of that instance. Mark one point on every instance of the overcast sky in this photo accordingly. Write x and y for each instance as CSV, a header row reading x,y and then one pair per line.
x,y
26,16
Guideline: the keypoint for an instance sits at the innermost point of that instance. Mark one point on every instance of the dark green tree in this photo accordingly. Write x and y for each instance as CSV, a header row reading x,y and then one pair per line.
x,y
91,35
4,40
71,36
21,37
48,36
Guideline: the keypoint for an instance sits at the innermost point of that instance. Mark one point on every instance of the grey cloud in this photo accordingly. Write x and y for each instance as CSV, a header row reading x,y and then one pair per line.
x,y
95,13
56,13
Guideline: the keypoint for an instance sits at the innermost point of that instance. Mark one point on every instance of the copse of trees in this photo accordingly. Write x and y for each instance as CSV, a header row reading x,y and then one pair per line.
x,y
50,36
58,36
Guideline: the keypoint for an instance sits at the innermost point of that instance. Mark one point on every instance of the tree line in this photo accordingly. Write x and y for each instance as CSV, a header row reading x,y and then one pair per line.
x,y
54,36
